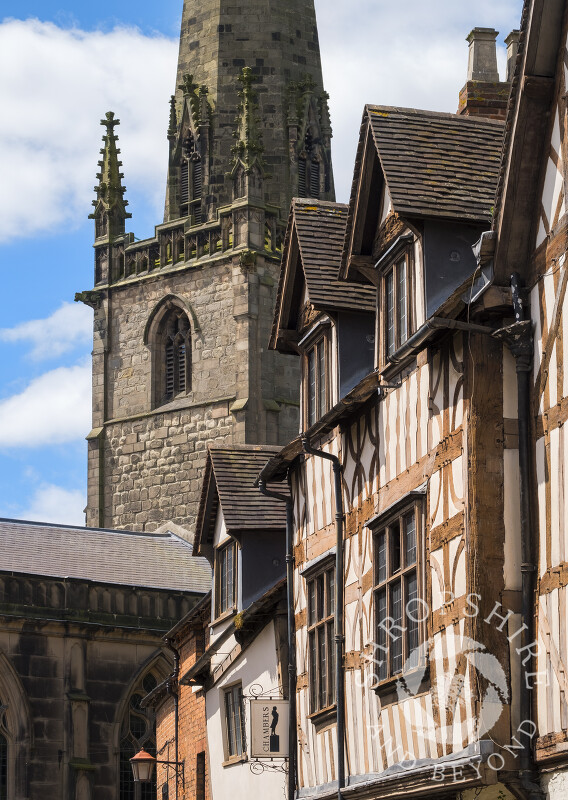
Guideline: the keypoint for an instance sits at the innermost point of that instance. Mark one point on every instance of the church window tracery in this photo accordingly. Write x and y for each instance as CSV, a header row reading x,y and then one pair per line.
x,y
138,731
175,349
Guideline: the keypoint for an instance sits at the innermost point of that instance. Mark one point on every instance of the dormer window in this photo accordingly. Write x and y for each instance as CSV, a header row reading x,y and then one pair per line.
x,y
226,579
316,394
396,291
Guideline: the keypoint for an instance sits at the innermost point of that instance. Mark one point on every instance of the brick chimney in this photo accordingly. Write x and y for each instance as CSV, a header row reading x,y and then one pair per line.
x,y
484,95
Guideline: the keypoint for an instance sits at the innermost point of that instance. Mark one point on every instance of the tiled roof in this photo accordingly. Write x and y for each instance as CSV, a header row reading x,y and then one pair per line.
x,y
438,165
126,558
320,229
231,472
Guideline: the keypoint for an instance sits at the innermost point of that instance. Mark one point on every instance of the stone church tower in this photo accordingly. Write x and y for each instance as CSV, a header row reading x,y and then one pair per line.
x,y
182,320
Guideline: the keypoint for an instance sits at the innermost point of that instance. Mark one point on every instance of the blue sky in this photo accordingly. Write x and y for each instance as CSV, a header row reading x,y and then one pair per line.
x,y
63,65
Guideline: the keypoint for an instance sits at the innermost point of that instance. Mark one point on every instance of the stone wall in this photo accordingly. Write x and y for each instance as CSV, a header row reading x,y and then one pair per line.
x,y
146,458
70,654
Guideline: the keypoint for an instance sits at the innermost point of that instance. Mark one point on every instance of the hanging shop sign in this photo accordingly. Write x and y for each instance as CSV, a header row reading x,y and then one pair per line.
x,y
269,728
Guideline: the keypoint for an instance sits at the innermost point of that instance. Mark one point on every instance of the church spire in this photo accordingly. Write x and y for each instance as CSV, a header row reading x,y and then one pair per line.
x,y
110,206
224,48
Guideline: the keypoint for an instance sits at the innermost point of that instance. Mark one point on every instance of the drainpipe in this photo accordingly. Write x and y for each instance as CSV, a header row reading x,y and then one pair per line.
x,y
519,338
292,737
339,603
173,679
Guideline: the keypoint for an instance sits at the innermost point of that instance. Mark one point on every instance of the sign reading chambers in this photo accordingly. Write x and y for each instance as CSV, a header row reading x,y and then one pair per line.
x,y
269,728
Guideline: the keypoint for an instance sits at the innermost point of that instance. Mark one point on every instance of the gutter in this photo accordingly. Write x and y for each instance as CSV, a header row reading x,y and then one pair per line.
x,y
339,603
292,737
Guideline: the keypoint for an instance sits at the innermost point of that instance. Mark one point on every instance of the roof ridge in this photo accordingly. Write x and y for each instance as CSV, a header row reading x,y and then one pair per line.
x,y
462,118
65,526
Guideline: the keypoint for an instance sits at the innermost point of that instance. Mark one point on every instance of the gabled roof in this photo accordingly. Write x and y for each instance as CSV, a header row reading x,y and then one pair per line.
x,y
438,165
127,558
316,233
228,482
435,165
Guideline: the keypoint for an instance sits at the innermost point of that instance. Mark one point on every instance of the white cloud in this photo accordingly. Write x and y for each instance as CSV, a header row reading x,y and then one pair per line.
x,y
69,326
410,53
57,85
52,409
52,503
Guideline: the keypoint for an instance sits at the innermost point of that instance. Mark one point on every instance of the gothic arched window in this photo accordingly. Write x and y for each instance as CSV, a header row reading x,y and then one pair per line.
x,y
310,165
138,731
191,184
176,338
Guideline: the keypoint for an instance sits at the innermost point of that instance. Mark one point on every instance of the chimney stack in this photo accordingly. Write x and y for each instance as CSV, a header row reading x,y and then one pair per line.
x,y
484,95
512,42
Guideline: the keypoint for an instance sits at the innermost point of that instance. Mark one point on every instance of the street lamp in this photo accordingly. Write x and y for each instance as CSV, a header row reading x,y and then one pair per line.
x,y
143,765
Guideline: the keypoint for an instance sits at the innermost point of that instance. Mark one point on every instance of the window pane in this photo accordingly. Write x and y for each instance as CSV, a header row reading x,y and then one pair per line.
x,y
320,597
411,623
381,563
331,579
395,637
322,406
311,387
313,671
409,533
230,551
394,532
390,314
222,582
239,720
331,661
322,651
402,302
381,609
230,720
311,602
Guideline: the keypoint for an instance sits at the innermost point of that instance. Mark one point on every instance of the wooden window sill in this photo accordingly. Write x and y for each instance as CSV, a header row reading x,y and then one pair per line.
x,y
324,717
387,689
232,760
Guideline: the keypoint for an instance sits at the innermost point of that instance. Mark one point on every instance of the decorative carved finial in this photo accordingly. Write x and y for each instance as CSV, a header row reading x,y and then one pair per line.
x,y
110,191
187,85
248,148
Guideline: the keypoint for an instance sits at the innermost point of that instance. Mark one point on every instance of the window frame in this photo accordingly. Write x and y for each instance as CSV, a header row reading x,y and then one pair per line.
x,y
321,699
237,756
319,342
402,254
220,611
385,524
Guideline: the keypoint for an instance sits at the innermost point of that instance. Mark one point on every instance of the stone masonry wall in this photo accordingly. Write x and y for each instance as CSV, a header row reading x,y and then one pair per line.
x,y
145,462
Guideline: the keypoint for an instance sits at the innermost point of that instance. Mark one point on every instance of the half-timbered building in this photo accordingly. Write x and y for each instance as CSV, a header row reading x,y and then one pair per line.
x,y
415,667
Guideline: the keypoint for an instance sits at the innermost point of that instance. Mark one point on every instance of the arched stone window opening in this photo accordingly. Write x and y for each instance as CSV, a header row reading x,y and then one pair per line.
x,y
239,184
176,353
101,225
138,731
180,248
191,180
311,167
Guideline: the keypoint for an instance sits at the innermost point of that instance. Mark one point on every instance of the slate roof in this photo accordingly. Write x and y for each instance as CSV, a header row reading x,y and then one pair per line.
x,y
438,165
320,227
126,558
230,475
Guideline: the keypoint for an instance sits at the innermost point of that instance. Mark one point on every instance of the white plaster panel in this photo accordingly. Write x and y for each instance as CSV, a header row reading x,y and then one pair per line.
x,y
438,588
554,495
436,505
553,183
555,783
386,205
455,500
541,492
